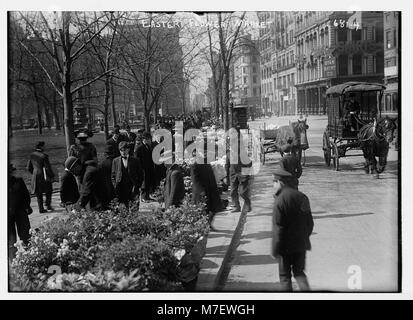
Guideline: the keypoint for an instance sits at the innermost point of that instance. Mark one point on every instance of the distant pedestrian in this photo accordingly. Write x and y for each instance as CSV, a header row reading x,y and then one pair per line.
x,y
144,155
127,175
292,227
18,211
69,189
289,162
84,150
42,176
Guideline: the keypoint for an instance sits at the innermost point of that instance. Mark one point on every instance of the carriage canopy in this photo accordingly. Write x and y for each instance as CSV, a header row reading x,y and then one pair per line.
x,y
353,87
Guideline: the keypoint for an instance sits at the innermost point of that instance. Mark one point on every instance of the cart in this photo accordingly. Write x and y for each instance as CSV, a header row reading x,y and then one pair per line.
x,y
350,106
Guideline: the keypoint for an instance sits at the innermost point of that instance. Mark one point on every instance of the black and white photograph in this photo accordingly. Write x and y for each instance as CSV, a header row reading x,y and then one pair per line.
x,y
204,151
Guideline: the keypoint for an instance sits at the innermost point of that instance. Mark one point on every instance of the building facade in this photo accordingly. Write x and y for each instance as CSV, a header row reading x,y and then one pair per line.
x,y
283,64
246,85
266,49
391,102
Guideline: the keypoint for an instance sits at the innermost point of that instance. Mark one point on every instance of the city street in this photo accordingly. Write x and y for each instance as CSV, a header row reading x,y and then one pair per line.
x,y
355,224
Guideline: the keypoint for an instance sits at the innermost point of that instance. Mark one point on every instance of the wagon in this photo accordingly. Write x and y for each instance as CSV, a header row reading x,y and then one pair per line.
x,y
273,139
350,106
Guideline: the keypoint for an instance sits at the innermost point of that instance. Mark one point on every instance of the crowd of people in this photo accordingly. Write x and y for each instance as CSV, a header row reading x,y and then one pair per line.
x,y
128,173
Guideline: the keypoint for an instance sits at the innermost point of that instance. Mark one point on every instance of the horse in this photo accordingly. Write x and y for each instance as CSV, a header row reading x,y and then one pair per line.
x,y
374,139
294,133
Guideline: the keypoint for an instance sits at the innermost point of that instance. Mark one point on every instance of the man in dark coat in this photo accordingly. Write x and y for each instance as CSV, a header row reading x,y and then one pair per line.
x,y
203,182
83,150
113,142
144,155
42,176
105,171
290,163
18,211
130,138
91,188
127,175
292,227
69,190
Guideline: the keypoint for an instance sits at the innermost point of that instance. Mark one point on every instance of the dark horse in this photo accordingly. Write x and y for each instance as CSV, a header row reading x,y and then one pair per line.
x,y
374,140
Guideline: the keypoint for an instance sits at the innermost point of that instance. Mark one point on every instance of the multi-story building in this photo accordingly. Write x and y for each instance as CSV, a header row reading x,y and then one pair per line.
x,y
283,64
266,48
391,62
246,72
332,51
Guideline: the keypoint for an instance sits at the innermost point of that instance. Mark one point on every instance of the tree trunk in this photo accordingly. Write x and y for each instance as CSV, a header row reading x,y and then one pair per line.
x,y
68,110
54,111
114,120
47,117
39,111
226,99
147,114
106,107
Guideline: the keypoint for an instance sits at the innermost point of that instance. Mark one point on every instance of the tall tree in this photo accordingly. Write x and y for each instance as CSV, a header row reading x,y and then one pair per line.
x,y
64,36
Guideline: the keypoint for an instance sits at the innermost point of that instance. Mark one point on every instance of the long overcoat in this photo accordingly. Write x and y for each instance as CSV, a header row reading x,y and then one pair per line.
x,y
42,174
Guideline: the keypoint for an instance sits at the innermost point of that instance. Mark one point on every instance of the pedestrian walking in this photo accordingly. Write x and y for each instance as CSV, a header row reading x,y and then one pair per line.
x,y
69,189
174,187
292,227
83,150
241,179
127,175
144,155
18,210
42,176
289,162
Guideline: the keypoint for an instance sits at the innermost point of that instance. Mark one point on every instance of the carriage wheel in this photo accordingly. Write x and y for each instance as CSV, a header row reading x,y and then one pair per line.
x,y
335,156
326,149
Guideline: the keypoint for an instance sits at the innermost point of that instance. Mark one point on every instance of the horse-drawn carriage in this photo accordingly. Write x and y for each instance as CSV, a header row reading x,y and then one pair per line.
x,y
273,139
355,123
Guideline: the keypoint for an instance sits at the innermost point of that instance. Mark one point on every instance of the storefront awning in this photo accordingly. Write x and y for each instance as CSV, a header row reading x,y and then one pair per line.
x,y
355,86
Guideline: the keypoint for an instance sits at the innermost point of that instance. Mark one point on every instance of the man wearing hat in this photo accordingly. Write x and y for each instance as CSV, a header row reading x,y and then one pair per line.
x,y
91,192
69,190
290,163
144,154
83,150
130,137
42,176
292,227
127,175
18,211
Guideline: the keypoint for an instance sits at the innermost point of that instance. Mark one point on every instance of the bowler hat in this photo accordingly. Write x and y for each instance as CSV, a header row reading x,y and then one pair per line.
x,y
70,162
281,174
39,144
123,145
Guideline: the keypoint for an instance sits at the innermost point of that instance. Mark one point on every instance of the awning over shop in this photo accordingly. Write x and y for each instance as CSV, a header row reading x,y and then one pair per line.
x,y
354,86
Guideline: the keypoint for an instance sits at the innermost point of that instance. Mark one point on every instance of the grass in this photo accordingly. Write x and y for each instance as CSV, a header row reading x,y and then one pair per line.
x,y
21,145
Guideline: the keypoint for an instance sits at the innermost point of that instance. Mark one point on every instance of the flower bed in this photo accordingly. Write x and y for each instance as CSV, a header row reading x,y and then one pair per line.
x,y
119,249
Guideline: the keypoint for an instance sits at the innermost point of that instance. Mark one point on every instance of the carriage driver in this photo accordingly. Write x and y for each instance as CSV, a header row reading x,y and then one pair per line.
x,y
351,110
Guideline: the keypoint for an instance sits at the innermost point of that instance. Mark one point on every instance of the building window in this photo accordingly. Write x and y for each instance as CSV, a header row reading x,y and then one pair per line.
x,y
245,80
388,102
357,64
254,69
254,79
388,39
254,92
387,17
379,35
342,65
395,101
245,91
342,35
395,38
356,35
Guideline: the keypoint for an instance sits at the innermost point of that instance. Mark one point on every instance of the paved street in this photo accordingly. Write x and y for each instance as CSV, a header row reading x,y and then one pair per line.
x,y
355,220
